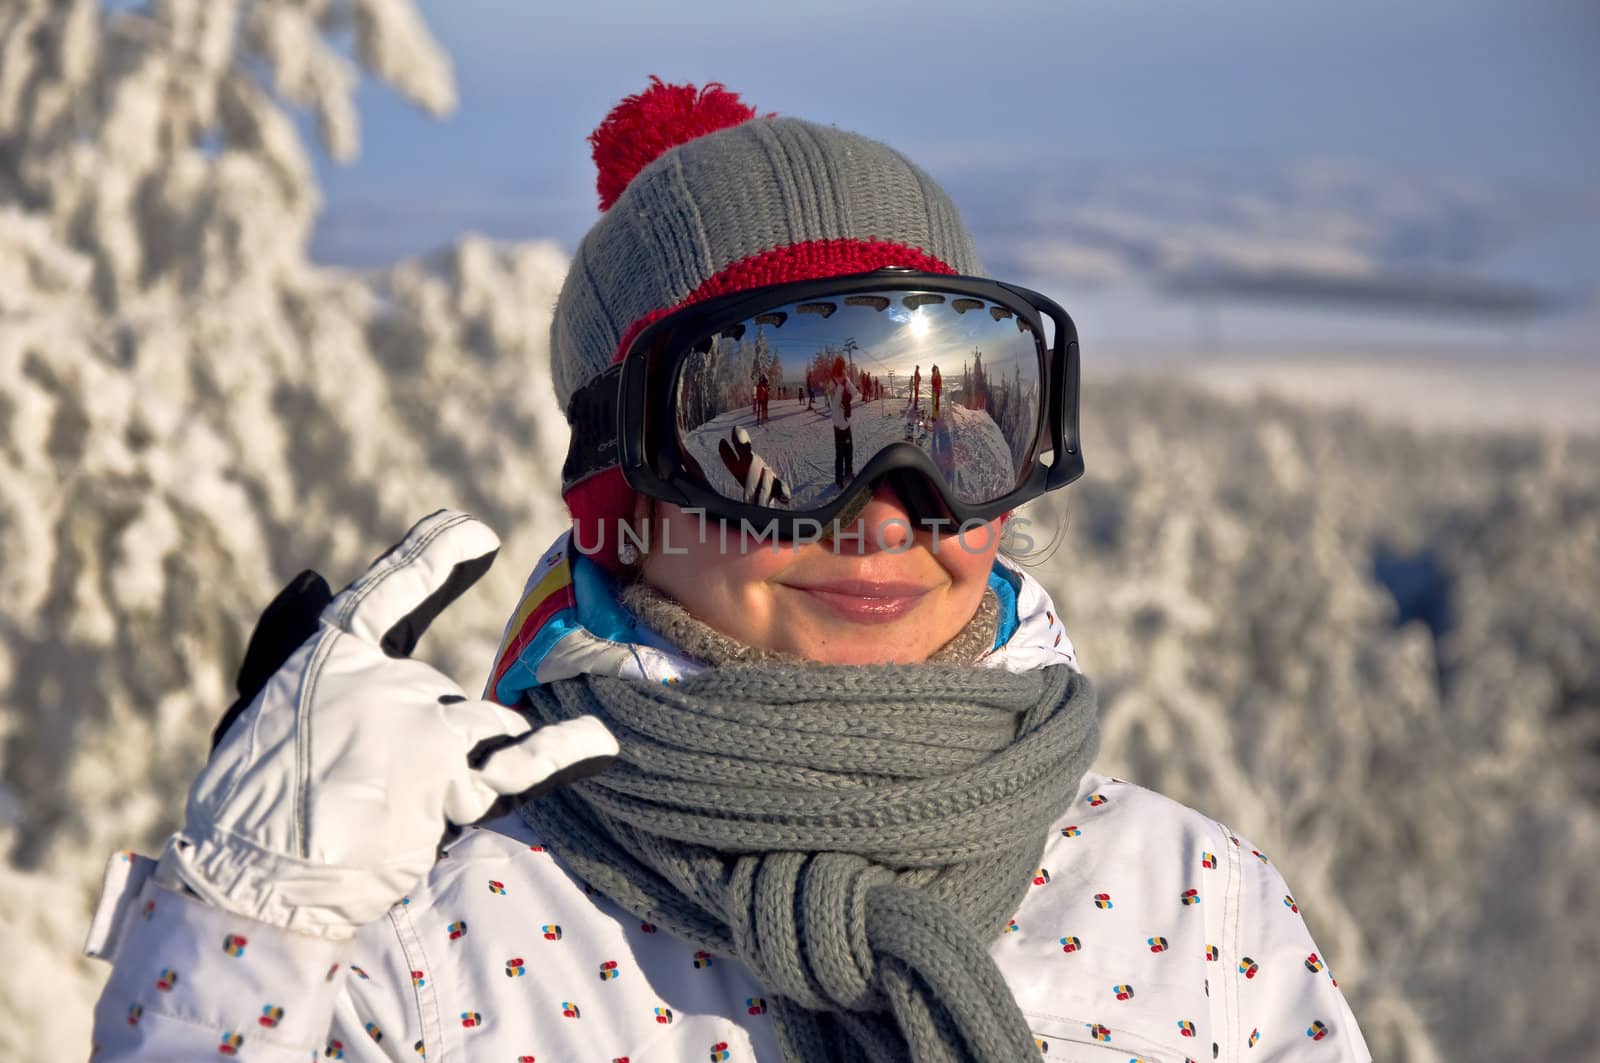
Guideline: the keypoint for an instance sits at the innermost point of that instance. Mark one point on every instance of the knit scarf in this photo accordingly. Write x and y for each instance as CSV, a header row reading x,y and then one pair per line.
x,y
855,835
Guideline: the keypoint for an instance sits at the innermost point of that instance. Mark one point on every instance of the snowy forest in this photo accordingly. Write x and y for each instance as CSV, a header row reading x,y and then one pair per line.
x,y
1370,647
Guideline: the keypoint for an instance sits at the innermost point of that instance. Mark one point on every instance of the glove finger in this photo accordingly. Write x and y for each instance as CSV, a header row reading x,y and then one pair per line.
x,y
480,723
395,600
752,478
541,761
286,623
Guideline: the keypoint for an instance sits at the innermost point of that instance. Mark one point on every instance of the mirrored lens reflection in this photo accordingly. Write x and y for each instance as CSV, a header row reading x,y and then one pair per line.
x,y
782,408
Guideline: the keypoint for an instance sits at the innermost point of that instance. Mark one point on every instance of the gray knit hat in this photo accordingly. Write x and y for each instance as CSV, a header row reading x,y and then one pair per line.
x,y
702,197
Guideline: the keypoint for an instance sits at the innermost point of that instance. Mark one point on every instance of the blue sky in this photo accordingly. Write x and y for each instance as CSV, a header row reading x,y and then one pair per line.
x,y
1132,154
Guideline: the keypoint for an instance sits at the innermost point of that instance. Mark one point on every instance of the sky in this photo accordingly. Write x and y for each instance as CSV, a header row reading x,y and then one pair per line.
x,y
1185,175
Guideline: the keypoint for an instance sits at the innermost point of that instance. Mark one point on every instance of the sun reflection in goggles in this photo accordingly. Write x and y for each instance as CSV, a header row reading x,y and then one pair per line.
x,y
764,405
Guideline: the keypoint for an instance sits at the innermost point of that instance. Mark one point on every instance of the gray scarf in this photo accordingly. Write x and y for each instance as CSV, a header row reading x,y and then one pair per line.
x,y
856,836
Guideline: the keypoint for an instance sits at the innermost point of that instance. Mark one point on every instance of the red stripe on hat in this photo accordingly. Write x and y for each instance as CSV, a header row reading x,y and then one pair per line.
x,y
808,261
605,497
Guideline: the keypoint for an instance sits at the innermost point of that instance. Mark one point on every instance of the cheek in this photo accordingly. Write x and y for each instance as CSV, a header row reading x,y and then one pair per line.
x,y
726,588
967,558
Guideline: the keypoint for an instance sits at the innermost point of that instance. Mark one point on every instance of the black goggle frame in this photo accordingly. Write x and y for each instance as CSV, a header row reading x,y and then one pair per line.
x,y
626,416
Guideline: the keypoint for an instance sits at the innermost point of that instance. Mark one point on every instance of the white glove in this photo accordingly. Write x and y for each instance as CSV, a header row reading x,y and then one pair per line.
x,y
332,778
763,484
760,481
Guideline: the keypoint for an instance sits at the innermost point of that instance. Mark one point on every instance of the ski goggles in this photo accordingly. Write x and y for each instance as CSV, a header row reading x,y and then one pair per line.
x,y
781,405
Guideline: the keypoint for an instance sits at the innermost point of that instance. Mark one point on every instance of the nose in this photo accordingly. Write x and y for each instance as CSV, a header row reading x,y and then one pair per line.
x,y
884,523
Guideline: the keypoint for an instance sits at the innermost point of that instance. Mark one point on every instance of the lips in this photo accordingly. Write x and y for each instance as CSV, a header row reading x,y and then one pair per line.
x,y
865,601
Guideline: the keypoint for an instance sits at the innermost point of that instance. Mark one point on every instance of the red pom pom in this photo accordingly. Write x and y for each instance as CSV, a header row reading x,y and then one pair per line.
x,y
641,128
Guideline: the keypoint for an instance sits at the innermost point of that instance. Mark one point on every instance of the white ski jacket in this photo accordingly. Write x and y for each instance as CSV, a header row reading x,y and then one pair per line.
x,y
838,388
1149,932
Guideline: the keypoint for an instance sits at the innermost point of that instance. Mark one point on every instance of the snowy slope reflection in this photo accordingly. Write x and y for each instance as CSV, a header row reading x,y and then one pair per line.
x,y
823,386
796,442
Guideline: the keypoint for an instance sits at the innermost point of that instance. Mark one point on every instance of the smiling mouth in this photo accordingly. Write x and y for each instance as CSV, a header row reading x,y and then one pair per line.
x,y
863,601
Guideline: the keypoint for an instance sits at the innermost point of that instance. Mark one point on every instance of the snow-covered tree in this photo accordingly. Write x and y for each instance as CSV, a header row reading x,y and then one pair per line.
x,y
191,411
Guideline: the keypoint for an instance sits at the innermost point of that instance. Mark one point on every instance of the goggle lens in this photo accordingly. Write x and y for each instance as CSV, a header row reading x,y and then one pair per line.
x,y
771,386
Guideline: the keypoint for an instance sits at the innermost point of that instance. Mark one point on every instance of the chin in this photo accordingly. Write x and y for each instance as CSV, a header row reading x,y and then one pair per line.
x,y
873,649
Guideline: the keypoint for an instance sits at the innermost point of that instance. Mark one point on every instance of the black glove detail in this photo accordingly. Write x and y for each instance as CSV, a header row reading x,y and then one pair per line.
x,y
288,620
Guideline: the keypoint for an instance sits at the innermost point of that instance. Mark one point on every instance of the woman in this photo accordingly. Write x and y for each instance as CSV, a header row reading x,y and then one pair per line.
x,y
841,396
853,815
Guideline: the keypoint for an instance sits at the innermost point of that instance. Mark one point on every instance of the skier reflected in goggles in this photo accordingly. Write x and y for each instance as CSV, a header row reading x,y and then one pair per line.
x,y
785,402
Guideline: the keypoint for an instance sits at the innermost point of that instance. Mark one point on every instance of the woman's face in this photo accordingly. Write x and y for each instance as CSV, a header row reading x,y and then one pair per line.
x,y
887,595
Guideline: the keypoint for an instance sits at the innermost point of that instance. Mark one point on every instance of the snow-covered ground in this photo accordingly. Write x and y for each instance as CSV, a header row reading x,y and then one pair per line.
x,y
797,442
1369,644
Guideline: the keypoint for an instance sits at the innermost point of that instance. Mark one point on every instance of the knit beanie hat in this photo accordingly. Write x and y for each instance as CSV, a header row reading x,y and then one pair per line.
x,y
701,197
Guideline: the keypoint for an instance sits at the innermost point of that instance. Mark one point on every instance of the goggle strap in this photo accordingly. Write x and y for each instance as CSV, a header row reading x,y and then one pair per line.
x,y
592,414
